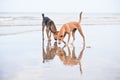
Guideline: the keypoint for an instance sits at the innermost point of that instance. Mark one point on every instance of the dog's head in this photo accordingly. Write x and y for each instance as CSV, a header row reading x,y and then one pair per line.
x,y
56,35
60,38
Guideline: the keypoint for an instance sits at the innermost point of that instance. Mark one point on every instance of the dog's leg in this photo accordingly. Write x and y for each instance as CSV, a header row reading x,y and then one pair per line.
x,y
43,30
73,35
81,33
50,35
47,32
68,38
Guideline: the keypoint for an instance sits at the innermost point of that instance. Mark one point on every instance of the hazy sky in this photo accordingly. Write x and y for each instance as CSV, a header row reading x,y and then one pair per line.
x,y
103,6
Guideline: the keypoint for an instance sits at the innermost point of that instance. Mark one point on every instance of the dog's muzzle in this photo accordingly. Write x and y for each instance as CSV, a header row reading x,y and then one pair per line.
x,y
55,38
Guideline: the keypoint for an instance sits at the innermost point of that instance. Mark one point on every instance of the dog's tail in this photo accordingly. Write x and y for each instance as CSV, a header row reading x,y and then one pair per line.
x,y
43,15
80,17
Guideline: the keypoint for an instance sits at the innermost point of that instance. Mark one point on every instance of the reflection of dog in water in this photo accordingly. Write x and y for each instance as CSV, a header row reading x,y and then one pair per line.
x,y
67,59
70,59
50,52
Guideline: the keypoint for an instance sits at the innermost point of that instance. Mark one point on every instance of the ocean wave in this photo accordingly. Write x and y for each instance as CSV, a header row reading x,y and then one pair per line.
x,y
59,19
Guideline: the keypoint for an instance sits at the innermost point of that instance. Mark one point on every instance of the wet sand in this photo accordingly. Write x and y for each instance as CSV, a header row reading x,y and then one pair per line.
x,y
22,57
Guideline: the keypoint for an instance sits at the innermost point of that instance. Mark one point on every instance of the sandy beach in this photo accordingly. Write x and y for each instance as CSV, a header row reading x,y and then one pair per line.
x,y
23,57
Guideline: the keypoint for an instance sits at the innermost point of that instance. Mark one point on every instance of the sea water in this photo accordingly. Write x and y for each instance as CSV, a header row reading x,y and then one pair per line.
x,y
24,56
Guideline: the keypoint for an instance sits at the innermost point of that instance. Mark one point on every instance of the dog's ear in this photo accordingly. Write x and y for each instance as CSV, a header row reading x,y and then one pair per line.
x,y
56,32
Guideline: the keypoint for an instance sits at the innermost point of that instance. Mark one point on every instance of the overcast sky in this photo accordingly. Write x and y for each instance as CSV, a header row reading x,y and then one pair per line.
x,y
102,6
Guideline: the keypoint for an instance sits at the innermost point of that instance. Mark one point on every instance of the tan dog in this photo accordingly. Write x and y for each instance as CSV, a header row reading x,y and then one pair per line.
x,y
68,28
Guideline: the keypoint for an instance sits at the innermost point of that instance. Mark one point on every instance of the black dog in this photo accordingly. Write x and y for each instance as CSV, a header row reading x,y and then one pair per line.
x,y
50,27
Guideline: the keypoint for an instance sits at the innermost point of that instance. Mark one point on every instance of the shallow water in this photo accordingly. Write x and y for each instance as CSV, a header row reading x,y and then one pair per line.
x,y
22,57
